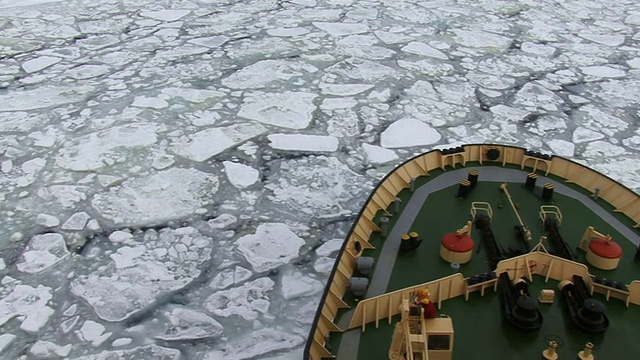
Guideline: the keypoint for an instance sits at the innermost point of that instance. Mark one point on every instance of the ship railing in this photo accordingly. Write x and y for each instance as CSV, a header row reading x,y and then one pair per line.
x,y
386,306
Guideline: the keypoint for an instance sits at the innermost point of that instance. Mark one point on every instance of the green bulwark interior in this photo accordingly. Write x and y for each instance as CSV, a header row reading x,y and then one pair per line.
x,y
480,330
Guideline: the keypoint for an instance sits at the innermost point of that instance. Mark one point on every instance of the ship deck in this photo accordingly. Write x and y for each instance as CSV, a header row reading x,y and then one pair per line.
x,y
433,210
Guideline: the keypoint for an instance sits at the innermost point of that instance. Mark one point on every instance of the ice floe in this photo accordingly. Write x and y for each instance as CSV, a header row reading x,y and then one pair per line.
x,y
247,301
168,194
185,324
270,246
379,155
344,89
48,350
257,343
39,63
302,142
295,284
229,277
267,73
5,341
241,176
209,142
76,222
42,97
93,332
341,29
134,277
43,252
320,186
288,110
408,132
96,150
143,352
423,49
27,303
603,71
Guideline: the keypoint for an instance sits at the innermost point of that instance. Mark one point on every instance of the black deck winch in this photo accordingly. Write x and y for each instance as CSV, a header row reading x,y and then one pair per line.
x,y
496,254
586,313
520,309
561,247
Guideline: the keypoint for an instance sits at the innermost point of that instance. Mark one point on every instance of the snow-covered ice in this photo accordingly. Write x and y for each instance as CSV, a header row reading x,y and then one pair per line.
x,y
247,300
49,350
134,277
166,167
302,142
272,245
185,324
165,195
43,252
240,175
408,132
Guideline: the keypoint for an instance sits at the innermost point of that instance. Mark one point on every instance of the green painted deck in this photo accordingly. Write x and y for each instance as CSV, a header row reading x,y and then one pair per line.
x,y
478,323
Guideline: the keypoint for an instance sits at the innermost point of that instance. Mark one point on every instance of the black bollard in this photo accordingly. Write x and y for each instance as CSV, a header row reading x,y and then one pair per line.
x,y
473,178
547,192
531,181
464,189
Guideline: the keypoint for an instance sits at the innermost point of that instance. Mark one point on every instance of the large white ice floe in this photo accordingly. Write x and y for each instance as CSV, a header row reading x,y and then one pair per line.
x,y
168,194
341,29
255,344
165,15
481,39
603,71
379,155
419,48
247,301
303,142
241,176
267,73
96,150
143,352
288,110
362,69
193,95
344,89
229,277
562,147
295,284
185,324
65,196
321,186
93,332
42,97
49,350
5,341
134,277
209,142
408,132
27,303
329,247
39,63
76,222
42,252
272,245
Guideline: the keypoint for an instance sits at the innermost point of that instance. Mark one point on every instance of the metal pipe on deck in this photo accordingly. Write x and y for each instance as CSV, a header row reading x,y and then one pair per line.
x,y
527,233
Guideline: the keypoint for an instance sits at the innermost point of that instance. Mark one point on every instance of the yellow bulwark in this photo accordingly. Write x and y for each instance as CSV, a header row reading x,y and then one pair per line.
x,y
621,198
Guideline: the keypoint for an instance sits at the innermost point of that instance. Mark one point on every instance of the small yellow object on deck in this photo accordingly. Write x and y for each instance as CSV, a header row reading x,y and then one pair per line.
x,y
550,352
546,296
586,353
